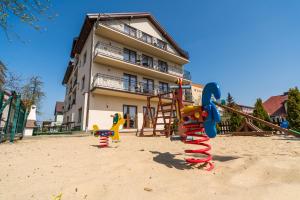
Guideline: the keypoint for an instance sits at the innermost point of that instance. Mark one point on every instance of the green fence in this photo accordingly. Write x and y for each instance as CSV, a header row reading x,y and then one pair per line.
x,y
13,116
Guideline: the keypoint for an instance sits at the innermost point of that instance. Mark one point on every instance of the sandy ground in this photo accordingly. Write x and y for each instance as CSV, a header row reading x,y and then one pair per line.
x,y
245,168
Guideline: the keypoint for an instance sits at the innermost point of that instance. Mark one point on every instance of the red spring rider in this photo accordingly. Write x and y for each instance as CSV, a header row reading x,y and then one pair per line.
x,y
104,137
197,124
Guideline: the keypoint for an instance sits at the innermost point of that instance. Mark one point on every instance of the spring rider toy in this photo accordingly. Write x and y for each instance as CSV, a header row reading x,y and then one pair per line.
x,y
113,132
197,124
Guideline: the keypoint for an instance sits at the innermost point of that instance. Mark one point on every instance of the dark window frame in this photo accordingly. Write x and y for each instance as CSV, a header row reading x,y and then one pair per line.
x,y
132,85
82,82
79,119
147,89
163,87
130,55
147,38
149,62
131,31
136,116
162,66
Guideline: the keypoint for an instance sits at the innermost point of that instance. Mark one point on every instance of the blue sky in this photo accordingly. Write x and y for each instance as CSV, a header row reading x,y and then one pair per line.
x,y
251,48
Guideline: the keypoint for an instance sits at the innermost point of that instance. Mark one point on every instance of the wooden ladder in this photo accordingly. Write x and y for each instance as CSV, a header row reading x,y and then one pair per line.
x,y
165,111
147,115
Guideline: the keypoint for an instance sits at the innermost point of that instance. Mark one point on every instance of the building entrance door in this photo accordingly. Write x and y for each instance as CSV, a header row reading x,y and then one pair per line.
x,y
130,116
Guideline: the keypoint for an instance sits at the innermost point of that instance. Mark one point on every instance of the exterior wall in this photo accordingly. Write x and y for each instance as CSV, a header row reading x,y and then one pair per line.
x,y
102,107
81,94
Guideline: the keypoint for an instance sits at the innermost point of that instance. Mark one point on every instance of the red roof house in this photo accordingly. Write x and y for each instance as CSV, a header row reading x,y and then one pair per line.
x,y
276,106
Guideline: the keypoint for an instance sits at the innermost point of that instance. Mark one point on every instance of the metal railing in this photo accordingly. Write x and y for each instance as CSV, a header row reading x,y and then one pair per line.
x,y
117,53
122,84
139,35
187,75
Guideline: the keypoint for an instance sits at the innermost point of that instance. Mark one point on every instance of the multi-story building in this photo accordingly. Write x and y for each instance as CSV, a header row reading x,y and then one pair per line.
x,y
118,60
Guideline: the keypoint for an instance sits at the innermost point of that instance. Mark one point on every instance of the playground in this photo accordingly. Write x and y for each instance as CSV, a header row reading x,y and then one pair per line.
x,y
149,167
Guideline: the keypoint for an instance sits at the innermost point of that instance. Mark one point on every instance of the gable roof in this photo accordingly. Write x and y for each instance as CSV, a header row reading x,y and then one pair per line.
x,y
275,105
91,18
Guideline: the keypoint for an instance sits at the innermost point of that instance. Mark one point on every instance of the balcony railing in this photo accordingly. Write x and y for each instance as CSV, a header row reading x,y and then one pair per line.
x,y
115,52
140,35
135,87
187,75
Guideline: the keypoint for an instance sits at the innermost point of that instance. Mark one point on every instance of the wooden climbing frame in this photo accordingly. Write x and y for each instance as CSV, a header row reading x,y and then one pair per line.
x,y
164,116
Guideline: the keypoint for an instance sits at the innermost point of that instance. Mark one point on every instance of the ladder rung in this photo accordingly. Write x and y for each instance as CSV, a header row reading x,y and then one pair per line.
x,y
167,104
168,110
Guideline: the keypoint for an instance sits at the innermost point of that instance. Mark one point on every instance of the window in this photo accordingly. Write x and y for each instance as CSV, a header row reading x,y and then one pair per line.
x,y
82,83
129,55
130,116
84,57
163,87
146,38
162,66
79,115
148,85
130,82
147,61
161,44
130,30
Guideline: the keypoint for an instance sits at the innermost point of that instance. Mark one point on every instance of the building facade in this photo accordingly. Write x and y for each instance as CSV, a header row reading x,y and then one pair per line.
x,y
118,60
197,90
246,109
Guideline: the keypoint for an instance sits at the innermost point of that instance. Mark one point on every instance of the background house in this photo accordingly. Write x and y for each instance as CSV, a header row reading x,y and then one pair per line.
x,y
59,113
276,107
246,109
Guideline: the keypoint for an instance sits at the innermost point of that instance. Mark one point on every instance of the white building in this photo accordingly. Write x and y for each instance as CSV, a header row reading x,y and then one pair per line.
x,y
197,90
59,113
118,60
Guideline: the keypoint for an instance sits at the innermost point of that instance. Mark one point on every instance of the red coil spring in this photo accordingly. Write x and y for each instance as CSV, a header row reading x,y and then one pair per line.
x,y
198,139
103,141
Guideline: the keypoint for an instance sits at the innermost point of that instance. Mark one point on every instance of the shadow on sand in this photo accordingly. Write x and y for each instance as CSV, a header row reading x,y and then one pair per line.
x,y
170,161
288,138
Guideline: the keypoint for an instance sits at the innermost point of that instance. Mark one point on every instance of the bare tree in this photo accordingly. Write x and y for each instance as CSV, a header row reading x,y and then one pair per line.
x,y
3,71
32,92
13,82
27,11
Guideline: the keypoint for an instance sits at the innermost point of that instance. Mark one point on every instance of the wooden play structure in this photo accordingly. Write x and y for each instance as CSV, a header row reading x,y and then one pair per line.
x,y
249,129
164,115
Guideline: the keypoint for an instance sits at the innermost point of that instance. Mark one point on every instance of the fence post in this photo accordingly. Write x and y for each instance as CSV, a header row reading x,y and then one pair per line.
x,y
15,118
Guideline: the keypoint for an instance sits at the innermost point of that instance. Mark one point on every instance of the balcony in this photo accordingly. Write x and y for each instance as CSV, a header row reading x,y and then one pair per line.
x,y
138,39
111,85
187,75
113,56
